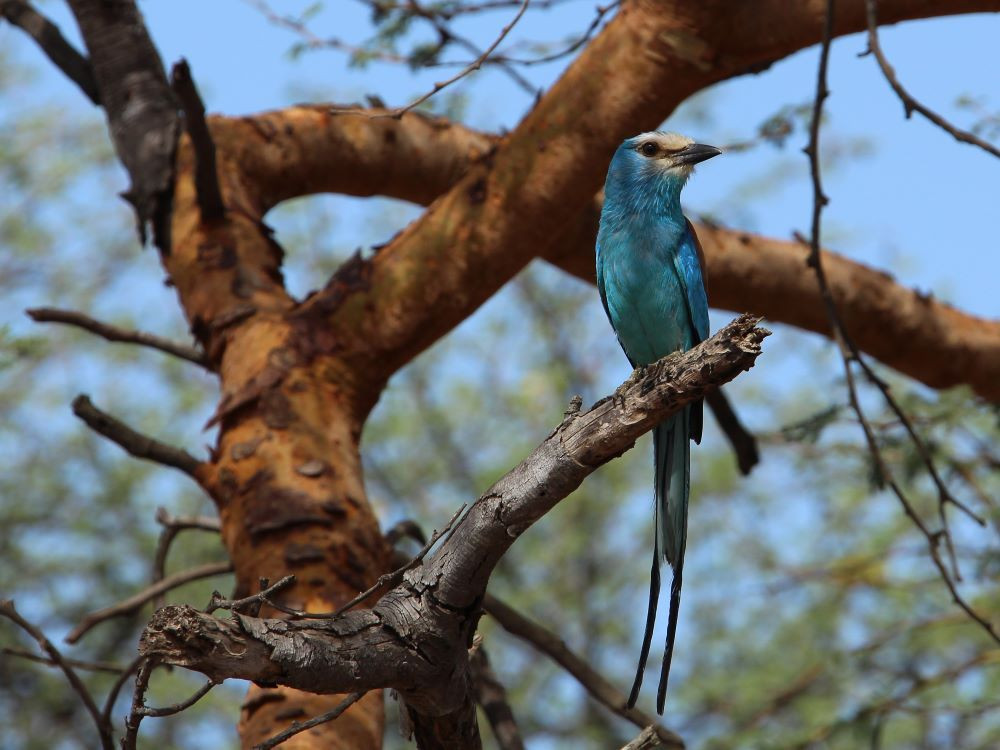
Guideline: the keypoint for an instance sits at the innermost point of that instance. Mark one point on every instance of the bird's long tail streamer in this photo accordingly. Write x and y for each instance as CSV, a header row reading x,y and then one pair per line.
x,y
671,451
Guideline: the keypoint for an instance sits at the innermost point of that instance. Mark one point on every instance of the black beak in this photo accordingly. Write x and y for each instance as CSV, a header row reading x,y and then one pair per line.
x,y
694,153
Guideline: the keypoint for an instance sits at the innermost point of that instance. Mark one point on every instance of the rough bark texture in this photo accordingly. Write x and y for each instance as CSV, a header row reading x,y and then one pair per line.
x,y
916,334
415,639
298,379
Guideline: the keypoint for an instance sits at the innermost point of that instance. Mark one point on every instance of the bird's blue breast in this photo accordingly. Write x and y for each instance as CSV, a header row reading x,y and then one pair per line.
x,y
650,280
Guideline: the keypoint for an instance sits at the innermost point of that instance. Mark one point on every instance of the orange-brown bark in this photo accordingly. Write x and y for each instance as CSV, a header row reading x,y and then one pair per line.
x,y
298,380
918,335
286,474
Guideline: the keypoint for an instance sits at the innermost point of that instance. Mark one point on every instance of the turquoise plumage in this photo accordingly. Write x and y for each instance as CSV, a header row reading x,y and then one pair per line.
x,y
649,274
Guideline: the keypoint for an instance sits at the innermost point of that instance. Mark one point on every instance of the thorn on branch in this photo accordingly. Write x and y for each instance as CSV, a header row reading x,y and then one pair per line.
x,y
134,443
114,333
51,41
206,177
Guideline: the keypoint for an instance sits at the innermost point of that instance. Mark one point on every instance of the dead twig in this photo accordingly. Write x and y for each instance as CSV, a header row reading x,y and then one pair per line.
x,y
911,105
172,526
136,601
114,333
8,610
592,681
134,443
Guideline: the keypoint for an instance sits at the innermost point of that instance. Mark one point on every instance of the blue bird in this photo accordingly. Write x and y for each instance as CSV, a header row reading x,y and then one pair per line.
x,y
650,276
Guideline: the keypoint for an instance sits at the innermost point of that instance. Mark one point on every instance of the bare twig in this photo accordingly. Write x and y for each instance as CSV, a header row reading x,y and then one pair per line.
x,y
206,179
176,708
252,603
138,703
109,703
135,443
850,354
47,35
8,610
599,12
911,105
553,646
172,526
90,666
492,698
133,603
297,726
114,333
470,68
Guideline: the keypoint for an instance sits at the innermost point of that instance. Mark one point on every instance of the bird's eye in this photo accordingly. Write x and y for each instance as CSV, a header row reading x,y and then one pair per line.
x,y
648,148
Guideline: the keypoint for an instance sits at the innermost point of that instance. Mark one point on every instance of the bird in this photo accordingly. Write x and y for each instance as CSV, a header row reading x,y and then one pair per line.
x,y
650,275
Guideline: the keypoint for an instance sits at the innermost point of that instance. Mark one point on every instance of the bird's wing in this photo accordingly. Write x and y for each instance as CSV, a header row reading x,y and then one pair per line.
x,y
690,266
601,289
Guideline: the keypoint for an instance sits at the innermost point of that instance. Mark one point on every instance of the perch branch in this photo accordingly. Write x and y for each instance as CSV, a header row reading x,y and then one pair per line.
x,y
413,638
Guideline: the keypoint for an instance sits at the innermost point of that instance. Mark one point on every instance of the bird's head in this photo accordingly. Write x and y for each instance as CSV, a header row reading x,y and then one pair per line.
x,y
656,162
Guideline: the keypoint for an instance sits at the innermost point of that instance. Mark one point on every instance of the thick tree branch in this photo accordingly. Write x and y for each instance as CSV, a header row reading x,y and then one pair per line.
x,y
55,46
140,107
514,205
414,639
418,159
114,333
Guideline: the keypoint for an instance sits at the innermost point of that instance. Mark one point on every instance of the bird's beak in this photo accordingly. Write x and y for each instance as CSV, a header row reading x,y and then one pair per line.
x,y
694,153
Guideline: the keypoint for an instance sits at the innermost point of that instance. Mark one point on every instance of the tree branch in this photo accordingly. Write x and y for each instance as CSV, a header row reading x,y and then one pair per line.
x,y
206,179
420,158
55,46
141,109
593,682
114,333
135,443
130,605
8,610
911,105
491,696
513,206
414,639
